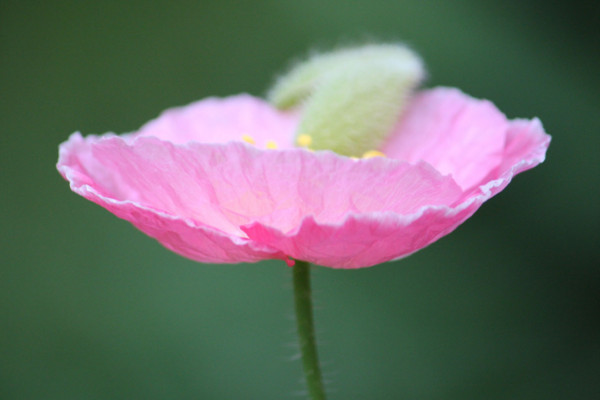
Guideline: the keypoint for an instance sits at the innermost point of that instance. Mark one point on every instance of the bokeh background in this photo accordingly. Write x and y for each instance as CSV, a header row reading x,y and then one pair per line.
x,y
507,307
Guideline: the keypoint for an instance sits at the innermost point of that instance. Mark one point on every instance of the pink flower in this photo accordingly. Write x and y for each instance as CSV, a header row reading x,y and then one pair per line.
x,y
188,180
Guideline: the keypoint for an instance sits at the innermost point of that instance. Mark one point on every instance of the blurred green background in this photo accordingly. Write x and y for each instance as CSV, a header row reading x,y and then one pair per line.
x,y
507,307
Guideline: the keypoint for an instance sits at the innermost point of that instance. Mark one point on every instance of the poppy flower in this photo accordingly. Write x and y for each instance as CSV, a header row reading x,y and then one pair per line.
x,y
234,180
221,180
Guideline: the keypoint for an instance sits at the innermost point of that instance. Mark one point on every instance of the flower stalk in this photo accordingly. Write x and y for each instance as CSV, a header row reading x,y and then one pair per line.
x,y
306,330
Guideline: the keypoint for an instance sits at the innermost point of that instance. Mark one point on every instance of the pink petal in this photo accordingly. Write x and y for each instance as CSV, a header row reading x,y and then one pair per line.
x,y
220,120
526,145
106,179
456,134
362,240
366,239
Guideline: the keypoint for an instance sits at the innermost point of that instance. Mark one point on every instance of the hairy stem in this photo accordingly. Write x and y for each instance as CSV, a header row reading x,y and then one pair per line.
x,y
306,330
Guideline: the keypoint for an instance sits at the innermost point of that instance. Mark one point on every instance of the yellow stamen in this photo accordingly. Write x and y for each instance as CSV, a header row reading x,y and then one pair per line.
x,y
373,153
248,139
271,145
304,140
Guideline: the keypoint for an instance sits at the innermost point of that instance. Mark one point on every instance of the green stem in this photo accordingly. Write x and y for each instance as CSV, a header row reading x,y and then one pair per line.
x,y
306,330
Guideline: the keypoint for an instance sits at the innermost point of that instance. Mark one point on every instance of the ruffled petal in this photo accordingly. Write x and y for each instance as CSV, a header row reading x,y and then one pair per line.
x,y
95,179
456,134
221,120
362,240
367,239
525,147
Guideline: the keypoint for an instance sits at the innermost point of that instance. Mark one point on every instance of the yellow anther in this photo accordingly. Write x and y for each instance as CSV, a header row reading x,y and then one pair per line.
x,y
373,153
304,140
248,139
271,145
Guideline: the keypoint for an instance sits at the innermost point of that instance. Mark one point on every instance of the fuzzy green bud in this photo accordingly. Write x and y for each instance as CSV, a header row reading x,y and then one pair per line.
x,y
351,98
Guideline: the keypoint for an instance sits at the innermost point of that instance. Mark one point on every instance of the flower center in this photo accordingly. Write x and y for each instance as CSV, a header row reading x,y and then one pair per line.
x,y
269,144
350,99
